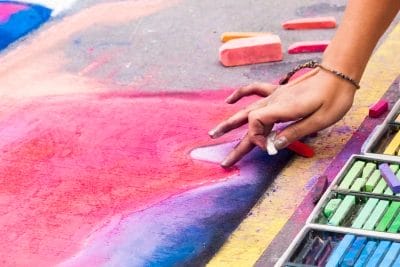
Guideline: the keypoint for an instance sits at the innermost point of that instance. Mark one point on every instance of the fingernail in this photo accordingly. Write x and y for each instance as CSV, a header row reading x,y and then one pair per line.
x,y
226,163
281,142
215,133
271,149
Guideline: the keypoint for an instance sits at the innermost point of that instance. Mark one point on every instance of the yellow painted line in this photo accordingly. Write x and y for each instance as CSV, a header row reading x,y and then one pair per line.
x,y
255,233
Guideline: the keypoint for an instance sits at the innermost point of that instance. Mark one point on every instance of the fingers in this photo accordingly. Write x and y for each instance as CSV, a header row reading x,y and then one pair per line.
x,y
260,89
244,147
302,128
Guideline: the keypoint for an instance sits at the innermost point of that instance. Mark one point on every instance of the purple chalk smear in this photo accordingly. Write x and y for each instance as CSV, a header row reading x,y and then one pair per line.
x,y
390,178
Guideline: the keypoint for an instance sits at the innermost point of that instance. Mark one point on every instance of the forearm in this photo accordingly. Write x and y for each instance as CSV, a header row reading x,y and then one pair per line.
x,y
364,22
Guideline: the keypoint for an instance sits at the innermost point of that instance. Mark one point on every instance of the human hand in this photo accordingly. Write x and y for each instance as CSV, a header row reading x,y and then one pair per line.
x,y
315,101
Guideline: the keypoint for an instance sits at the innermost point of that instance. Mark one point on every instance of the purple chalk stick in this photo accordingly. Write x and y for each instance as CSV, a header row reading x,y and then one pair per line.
x,y
390,178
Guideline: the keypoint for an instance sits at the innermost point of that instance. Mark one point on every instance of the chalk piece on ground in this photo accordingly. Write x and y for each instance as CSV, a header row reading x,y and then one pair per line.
x,y
366,253
310,23
308,47
319,188
354,252
352,174
251,50
301,149
336,257
390,177
379,253
358,184
380,187
369,168
343,210
365,212
395,226
376,215
227,36
379,108
373,181
391,255
393,145
331,207
388,217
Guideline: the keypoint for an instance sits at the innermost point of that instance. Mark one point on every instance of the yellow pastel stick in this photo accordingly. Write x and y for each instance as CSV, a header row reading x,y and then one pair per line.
x,y
393,145
227,36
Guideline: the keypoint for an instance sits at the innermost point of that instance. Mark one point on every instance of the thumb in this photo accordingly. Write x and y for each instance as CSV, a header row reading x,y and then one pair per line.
x,y
299,130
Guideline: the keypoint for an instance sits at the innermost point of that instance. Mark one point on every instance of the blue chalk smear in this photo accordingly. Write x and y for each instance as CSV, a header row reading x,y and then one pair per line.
x,y
341,249
21,23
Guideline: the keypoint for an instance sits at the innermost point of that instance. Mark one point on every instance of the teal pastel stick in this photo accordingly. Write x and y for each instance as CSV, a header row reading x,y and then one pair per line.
x,y
336,257
343,210
366,253
373,181
380,187
369,168
358,184
391,255
376,215
365,212
354,172
379,254
354,252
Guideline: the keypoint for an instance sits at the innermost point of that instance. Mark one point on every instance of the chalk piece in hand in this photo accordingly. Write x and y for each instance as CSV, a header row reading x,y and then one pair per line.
x,y
227,36
301,149
390,178
251,50
310,23
308,47
377,109
319,188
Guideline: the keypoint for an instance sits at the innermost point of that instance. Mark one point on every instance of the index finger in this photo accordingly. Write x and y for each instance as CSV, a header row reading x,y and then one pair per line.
x,y
244,147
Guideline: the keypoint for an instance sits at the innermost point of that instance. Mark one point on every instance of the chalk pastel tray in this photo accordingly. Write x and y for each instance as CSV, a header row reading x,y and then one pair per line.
x,y
385,138
332,246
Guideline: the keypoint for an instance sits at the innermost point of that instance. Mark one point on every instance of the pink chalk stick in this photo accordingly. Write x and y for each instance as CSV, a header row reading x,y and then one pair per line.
x,y
310,23
308,47
252,50
377,109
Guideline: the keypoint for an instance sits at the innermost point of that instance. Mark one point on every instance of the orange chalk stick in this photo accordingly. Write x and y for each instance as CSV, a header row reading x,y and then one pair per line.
x,y
251,50
310,23
227,36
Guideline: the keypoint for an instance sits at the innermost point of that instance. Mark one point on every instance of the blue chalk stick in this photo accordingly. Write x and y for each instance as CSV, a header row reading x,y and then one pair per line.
x,y
391,255
366,253
352,254
397,261
339,252
379,253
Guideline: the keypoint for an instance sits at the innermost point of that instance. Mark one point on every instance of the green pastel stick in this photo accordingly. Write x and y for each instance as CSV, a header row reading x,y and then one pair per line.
x,y
394,167
372,181
343,210
365,212
376,215
380,187
388,217
358,184
331,207
368,170
352,174
388,191
395,226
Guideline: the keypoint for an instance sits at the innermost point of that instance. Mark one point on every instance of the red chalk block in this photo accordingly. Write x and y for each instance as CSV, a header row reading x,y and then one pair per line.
x,y
308,47
301,149
251,50
377,109
310,23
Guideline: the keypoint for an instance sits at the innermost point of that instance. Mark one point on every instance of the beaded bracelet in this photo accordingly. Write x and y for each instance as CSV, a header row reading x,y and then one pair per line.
x,y
314,64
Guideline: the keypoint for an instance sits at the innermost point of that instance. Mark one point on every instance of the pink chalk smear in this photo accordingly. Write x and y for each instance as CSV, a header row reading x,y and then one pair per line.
x,y
8,9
